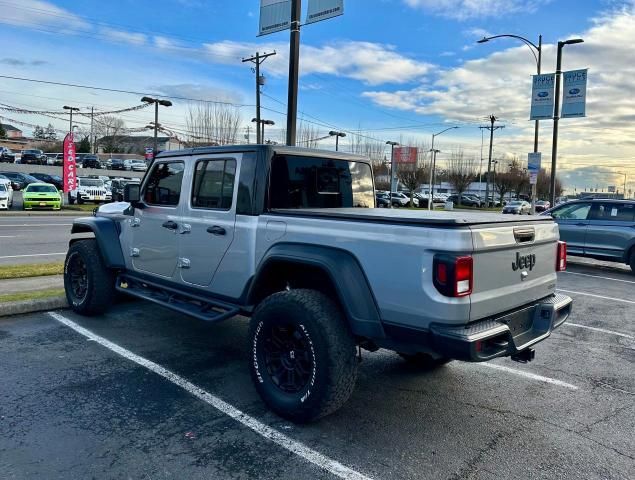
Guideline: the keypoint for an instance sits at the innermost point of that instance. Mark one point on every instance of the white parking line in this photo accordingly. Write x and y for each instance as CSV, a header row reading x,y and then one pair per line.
x,y
307,453
598,276
597,296
531,376
601,330
33,255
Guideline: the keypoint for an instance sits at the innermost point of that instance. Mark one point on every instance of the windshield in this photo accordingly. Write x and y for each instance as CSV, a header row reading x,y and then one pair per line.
x,y
515,204
313,182
33,151
41,189
91,182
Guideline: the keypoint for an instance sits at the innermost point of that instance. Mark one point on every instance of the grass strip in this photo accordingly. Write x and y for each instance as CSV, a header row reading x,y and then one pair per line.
x,y
38,294
31,270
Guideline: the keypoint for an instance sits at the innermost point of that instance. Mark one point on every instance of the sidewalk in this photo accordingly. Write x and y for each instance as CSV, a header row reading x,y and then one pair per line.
x,y
30,284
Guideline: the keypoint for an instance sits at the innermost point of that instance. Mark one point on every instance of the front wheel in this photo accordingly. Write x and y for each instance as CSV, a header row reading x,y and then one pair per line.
x,y
89,285
303,355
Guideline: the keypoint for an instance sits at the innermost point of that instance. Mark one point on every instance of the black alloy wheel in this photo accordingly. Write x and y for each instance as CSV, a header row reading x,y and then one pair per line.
x,y
288,358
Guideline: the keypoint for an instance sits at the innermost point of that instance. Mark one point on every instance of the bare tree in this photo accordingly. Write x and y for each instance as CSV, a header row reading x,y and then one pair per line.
x,y
412,176
520,178
367,146
461,172
111,129
504,182
543,185
308,135
212,123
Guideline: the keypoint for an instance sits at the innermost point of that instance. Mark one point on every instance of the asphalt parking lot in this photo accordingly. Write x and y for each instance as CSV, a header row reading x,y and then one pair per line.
x,y
145,393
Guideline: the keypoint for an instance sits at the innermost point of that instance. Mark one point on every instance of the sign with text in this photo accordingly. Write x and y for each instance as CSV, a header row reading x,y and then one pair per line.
x,y
574,94
534,161
405,155
542,102
149,153
324,9
70,167
275,16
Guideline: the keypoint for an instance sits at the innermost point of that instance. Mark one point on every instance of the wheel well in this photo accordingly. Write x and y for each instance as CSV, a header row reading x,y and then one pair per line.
x,y
629,253
280,275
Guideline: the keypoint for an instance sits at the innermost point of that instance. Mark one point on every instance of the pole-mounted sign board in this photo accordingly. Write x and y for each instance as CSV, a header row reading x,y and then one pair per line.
x,y
275,16
534,161
406,155
542,101
574,94
69,170
324,9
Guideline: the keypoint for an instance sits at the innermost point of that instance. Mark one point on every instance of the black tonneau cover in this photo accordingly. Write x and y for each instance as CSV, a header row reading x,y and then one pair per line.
x,y
436,218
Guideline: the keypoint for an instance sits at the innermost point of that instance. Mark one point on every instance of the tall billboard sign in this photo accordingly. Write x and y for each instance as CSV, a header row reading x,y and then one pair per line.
x,y
542,101
324,9
275,16
70,166
574,94
405,155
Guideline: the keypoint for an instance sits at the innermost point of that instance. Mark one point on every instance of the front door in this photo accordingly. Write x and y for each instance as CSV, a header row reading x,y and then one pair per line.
x,y
209,218
156,222
611,229
573,223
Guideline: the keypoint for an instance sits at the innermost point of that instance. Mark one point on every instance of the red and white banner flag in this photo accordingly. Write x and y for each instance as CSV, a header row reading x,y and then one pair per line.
x,y
70,167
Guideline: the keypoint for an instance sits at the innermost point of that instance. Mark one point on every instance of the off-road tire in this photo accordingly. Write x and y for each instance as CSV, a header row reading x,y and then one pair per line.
x,y
424,361
632,260
99,281
330,354
79,200
71,200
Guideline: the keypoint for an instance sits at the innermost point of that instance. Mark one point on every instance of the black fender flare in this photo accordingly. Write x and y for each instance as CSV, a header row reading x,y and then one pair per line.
x,y
107,236
346,274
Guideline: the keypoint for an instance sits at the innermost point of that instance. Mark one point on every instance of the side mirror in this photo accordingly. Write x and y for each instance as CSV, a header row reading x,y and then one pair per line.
x,y
132,193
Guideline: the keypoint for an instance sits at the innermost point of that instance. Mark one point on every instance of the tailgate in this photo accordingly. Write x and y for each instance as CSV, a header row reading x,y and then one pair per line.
x,y
513,265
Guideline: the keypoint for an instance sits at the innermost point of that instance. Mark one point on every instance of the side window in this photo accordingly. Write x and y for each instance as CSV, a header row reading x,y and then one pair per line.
x,y
614,212
163,187
214,184
577,211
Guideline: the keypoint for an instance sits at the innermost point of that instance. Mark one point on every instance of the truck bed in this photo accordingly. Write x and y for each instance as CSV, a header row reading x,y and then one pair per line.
x,y
442,218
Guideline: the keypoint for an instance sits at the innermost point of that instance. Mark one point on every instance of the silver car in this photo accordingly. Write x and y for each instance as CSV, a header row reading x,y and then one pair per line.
x,y
602,229
518,207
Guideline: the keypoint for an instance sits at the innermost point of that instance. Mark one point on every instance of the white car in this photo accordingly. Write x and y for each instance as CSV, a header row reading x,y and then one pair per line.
x,y
135,165
6,195
89,190
403,200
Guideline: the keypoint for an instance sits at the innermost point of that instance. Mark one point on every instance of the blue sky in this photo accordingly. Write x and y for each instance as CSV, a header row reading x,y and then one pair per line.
x,y
396,69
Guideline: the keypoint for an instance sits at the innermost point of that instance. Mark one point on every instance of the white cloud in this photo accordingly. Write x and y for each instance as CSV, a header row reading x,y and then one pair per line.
x,y
500,84
121,36
467,9
36,13
200,91
371,63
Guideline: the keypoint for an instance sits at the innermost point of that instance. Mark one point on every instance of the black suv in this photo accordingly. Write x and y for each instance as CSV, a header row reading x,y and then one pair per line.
x,y
90,161
33,157
52,179
6,155
117,187
117,164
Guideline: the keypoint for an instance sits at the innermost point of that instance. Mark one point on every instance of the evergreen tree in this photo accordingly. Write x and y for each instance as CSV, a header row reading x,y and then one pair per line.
x,y
50,133
38,133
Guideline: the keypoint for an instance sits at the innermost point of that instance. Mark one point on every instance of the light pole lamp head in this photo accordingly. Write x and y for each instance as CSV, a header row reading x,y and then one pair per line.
x,y
572,41
334,133
148,100
268,122
483,40
393,144
165,103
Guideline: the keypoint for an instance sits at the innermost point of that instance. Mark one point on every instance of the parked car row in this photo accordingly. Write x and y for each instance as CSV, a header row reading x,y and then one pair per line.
x,y
83,160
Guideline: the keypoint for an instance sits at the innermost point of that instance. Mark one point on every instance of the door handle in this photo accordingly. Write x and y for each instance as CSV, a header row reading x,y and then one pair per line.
x,y
216,230
170,225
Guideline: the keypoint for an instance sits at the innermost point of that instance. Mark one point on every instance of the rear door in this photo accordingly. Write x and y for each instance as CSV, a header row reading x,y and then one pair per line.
x,y
209,218
573,220
154,226
514,264
611,229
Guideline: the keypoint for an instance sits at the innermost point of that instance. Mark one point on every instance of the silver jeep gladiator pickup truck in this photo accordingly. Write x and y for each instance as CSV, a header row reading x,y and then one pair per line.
x,y
290,238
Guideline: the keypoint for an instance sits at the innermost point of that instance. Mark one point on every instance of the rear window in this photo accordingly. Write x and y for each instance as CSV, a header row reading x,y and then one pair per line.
x,y
41,189
314,182
614,212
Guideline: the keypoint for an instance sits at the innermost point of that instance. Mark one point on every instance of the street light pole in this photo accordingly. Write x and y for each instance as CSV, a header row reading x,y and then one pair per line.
x,y
157,102
392,168
434,164
556,117
71,110
337,136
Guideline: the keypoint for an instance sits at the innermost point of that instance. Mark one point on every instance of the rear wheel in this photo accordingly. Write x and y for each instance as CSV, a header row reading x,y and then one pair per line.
x,y
303,356
89,285
424,361
632,260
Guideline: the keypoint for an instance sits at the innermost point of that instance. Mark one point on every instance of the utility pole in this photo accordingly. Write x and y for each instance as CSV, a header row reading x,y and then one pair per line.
x,y
294,67
392,169
71,110
247,136
257,60
491,129
92,143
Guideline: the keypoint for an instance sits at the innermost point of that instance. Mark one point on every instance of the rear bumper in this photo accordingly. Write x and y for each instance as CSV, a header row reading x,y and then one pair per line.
x,y
502,336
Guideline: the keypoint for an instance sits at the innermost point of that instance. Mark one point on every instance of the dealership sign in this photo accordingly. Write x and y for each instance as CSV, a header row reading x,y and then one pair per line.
x,y
534,161
574,94
70,167
405,155
542,102
275,16
324,9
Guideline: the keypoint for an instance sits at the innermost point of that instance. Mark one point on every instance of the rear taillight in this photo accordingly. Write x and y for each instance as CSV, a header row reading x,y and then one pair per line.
x,y
453,276
561,257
